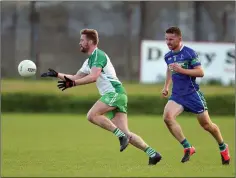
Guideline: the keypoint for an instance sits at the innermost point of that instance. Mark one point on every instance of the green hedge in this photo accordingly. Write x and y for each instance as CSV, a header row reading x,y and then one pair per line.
x,y
25,102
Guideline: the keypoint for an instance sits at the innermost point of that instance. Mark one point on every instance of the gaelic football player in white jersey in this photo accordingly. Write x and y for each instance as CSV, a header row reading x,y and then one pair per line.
x,y
110,111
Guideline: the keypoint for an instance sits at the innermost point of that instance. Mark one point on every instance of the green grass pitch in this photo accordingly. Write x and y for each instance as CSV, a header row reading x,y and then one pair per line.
x,y
68,145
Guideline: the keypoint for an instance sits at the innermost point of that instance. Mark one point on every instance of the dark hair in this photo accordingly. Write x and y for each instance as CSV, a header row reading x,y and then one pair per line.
x,y
91,34
174,30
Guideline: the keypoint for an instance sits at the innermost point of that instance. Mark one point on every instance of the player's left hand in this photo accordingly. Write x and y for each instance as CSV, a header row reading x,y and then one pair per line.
x,y
68,83
176,67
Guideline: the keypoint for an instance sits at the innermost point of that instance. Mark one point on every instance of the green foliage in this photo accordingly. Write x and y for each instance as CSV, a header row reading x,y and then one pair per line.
x,y
137,104
136,89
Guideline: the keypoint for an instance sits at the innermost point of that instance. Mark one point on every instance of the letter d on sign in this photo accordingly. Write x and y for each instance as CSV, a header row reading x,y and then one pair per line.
x,y
154,54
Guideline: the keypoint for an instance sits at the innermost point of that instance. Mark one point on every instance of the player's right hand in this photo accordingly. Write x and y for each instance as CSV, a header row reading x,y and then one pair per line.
x,y
50,73
165,92
67,83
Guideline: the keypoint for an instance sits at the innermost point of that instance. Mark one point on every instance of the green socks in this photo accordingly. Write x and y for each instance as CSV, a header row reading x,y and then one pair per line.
x,y
185,143
118,132
150,152
222,146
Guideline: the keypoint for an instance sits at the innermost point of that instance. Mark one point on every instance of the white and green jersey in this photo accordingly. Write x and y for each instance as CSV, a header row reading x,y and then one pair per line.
x,y
107,81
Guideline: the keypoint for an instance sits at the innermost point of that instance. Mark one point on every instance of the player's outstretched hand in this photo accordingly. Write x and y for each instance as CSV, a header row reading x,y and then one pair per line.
x,y
68,83
165,93
50,73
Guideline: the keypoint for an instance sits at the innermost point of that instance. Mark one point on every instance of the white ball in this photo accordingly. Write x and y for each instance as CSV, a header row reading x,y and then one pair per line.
x,y
27,68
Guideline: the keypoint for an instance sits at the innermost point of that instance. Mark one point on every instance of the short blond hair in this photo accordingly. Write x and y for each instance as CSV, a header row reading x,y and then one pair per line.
x,y
90,34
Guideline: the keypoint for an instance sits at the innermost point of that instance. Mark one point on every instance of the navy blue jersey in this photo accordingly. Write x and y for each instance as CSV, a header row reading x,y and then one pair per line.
x,y
188,59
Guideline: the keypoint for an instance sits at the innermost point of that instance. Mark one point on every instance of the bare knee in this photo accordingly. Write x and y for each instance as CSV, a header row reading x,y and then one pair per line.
x,y
206,122
172,109
208,126
168,118
91,116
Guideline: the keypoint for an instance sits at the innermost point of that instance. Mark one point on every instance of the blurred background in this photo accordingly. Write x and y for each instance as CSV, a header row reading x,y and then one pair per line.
x,y
48,32
45,131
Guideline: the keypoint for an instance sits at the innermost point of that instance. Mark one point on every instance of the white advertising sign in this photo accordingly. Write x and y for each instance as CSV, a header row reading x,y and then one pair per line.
x,y
218,61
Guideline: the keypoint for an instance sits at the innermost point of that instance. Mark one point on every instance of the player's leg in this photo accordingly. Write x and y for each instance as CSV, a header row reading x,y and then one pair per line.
x,y
171,111
96,116
196,104
208,125
121,121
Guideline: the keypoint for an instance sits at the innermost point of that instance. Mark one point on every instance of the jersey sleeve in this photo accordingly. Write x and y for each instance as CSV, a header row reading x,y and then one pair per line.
x,y
167,55
165,60
195,61
100,60
84,68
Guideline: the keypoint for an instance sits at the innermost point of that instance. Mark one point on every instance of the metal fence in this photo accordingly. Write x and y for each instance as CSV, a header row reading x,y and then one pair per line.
x,y
48,32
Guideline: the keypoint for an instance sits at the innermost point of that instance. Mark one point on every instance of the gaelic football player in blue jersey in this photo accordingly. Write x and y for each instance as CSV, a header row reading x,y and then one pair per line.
x,y
183,68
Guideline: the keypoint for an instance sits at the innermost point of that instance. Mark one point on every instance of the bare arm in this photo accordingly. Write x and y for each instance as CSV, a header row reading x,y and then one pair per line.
x,y
79,75
165,90
168,79
195,72
91,78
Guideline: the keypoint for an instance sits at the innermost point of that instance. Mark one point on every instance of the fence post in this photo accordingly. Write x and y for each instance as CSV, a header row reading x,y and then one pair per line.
x,y
34,35
128,32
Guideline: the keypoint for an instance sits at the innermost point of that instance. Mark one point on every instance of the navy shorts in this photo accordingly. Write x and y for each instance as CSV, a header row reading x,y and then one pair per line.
x,y
194,102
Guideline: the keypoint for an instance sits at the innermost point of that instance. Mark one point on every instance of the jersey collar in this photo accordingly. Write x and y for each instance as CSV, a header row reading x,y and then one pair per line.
x,y
181,47
94,50
179,50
